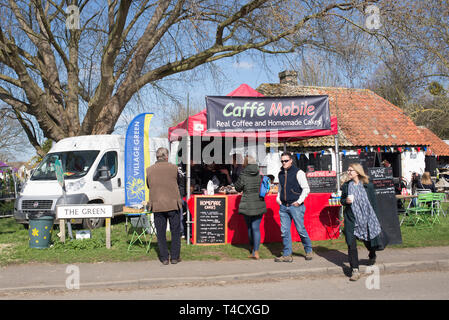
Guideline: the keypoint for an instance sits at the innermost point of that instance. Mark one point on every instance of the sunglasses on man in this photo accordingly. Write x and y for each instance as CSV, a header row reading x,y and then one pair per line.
x,y
285,161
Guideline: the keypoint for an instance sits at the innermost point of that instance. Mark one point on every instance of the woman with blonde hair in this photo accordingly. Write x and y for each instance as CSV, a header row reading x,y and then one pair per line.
x,y
360,216
426,182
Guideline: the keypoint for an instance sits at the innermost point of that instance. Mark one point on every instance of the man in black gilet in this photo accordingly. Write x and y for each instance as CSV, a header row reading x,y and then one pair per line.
x,y
293,190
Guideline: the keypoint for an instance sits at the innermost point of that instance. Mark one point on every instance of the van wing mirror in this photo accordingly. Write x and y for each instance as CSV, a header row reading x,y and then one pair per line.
x,y
103,174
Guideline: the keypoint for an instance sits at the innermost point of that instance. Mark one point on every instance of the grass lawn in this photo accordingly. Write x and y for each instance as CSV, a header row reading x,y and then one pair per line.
x,y
14,246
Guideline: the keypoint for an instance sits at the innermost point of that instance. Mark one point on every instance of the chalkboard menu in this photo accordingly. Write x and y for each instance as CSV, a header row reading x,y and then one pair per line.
x,y
326,162
322,181
210,220
382,179
348,159
366,159
431,165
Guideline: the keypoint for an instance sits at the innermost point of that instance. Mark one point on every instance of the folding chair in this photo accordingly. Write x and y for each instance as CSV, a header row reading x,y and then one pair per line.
x,y
437,199
422,211
141,225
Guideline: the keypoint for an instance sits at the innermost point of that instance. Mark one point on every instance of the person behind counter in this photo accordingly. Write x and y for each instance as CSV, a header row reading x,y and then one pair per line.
x,y
360,216
236,168
216,173
251,206
426,182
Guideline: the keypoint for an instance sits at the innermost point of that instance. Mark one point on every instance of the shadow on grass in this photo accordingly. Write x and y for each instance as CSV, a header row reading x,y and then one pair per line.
x,y
275,248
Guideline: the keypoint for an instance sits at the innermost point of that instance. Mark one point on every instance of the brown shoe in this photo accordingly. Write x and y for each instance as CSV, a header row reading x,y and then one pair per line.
x,y
309,256
284,259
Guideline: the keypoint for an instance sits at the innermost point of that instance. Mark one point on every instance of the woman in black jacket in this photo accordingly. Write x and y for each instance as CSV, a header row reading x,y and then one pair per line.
x,y
360,216
427,183
251,206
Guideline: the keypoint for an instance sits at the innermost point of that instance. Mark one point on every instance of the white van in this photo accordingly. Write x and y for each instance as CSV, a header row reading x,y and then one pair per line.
x,y
93,173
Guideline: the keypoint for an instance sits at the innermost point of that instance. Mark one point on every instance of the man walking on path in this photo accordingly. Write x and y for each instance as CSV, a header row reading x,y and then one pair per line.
x,y
293,190
165,201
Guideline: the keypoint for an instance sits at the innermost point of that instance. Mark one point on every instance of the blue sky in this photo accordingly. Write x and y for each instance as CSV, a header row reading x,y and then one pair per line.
x,y
232,74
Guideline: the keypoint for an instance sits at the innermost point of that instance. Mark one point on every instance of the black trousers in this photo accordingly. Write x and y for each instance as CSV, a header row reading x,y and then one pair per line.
x,y
160,222
353,253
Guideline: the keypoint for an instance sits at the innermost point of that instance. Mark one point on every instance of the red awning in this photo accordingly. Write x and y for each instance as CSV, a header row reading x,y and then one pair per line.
x,y
198,125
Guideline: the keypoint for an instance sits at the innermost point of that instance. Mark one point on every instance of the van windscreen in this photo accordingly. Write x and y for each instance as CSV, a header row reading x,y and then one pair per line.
x,y
75,164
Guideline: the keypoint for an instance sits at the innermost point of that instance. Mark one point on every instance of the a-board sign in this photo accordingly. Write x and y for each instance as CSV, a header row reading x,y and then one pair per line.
x,y
382,179
210,220
322,181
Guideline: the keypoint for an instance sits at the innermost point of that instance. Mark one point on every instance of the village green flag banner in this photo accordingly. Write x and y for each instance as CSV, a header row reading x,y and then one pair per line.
x,y
267,113
137,159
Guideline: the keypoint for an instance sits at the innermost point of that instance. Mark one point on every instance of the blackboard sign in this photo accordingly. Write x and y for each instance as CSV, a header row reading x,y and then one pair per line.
x,y
348,159
431,165
210,220
382,179
322,181
326,162
366,159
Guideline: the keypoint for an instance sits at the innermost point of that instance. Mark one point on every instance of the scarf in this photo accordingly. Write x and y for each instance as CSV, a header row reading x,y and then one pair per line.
x,y
367,225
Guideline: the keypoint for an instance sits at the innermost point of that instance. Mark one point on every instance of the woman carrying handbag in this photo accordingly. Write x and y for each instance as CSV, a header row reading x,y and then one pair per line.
x,y
360,217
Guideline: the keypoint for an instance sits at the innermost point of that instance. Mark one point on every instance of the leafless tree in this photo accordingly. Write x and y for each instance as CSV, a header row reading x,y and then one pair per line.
x,y
75,81
12,140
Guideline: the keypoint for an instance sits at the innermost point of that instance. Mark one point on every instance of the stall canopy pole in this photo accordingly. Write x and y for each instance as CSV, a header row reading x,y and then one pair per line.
x,y
337,161
188,224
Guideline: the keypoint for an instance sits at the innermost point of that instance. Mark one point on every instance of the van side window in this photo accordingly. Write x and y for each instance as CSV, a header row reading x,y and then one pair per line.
x,y
110,160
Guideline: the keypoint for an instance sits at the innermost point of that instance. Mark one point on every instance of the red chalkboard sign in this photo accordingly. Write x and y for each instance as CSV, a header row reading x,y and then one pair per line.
x,y
322,181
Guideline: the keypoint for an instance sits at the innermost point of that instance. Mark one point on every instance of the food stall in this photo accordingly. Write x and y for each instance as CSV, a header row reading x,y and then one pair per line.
x,y
215,218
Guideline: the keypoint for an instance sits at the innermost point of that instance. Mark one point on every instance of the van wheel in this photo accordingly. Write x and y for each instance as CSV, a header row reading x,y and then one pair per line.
x,y
93,223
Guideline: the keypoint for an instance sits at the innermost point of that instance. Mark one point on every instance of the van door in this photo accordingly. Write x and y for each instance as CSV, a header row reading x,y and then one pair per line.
x,y
112,190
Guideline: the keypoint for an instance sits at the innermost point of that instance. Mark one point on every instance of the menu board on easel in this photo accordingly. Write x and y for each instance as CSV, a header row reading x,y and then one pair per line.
x,y
382,179
210,220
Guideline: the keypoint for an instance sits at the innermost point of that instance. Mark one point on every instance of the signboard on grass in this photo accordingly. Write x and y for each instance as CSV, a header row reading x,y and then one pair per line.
x,y
210,220
382,179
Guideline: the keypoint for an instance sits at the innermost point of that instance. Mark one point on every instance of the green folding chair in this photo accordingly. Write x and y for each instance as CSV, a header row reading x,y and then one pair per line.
x,y
422,211
141,227
437,199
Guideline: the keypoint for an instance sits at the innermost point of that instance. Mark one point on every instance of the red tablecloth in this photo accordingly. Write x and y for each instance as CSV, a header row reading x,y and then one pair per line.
x,y
321,220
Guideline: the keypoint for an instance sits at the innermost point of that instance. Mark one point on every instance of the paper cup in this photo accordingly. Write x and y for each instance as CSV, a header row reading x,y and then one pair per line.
x,y
351,197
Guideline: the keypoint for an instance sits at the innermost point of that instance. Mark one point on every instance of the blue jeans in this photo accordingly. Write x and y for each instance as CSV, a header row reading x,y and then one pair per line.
x,y
297,214
253,225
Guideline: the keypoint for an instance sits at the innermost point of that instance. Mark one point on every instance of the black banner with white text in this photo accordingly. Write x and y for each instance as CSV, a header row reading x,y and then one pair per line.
x,y
267,113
